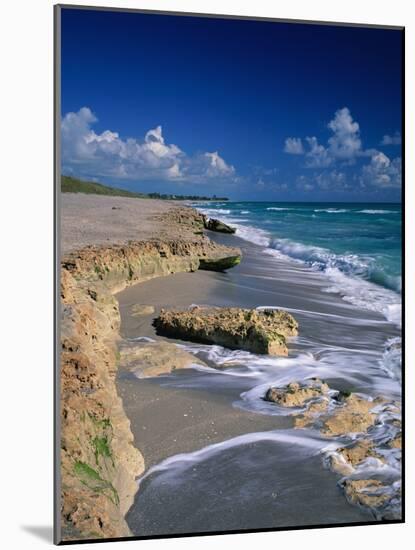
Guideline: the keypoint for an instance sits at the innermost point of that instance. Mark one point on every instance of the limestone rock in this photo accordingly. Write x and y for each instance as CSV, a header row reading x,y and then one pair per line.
x,y
155,358
366,492
216,225
295,394
353,416
236,328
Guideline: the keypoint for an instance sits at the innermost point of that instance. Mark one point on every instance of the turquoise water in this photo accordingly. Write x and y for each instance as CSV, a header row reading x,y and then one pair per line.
x,y
358,246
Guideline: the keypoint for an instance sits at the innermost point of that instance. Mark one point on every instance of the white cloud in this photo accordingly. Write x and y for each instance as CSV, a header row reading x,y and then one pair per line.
x,y
382,172
86,153
317,155
345,142
294,146
391,140
344,145
332,181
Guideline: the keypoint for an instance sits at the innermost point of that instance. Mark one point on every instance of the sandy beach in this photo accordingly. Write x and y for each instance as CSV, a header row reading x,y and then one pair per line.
x,y
99,220
192,410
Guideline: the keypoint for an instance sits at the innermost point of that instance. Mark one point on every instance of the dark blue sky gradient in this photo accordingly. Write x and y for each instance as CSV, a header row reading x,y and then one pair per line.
x,y
237,87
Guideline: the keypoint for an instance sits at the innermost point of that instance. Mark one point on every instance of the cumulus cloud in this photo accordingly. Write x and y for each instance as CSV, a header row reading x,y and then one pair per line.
x,y
294,146
382,171
391,140
344,144
86,153
344,148
317,155
332,180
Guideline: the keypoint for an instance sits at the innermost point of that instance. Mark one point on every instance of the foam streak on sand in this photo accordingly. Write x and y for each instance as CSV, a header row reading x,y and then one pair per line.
x,y
177,464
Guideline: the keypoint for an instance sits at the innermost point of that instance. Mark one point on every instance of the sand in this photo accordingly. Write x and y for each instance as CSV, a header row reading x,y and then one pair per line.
x,y
100,219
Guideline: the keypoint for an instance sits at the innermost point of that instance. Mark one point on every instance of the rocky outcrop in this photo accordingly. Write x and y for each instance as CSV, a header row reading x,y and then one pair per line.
x,y
99,463
216,225
355,415
115,267
296,394
355,418
156,358
256,331
373,494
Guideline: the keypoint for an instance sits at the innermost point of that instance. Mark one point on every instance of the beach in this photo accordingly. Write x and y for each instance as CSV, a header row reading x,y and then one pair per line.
x,y
195,410
206,428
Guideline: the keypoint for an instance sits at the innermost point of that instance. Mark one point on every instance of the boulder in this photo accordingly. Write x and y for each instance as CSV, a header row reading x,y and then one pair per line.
x,y
354,415
216,225
295,394
345,459
219,263
366,492
236,328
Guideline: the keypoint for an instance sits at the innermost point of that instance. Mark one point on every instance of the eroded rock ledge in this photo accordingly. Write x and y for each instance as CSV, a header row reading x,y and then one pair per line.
x,y
236,328
99,463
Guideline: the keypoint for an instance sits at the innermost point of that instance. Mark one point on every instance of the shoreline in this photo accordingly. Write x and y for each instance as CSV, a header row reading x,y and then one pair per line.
x,y
197,417
163,412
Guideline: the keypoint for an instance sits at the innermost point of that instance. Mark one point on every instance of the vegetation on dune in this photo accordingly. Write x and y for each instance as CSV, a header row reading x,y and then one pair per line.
x,y
75,185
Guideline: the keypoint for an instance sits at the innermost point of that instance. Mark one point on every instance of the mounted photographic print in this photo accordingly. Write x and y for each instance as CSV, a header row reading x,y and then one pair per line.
x,y
228,274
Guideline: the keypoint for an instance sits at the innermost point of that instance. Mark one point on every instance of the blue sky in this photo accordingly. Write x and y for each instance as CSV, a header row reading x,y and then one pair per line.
x,y
248,109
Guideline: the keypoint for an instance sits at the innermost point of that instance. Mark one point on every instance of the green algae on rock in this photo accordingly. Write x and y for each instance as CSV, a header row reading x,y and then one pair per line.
x,y
261,332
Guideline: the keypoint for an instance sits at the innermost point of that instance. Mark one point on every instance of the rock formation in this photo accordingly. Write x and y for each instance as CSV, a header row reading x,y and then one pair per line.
x,y
155,358
236,328
354,417
297,395
216,225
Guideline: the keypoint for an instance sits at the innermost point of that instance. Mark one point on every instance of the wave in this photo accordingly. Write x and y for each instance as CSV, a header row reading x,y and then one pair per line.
x,y
391,361
366,295
364,267
278,209
359,279
251,234
375,211
332,210
214,211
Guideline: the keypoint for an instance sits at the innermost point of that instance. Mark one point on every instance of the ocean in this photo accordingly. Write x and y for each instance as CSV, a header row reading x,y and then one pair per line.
x,y
356,246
